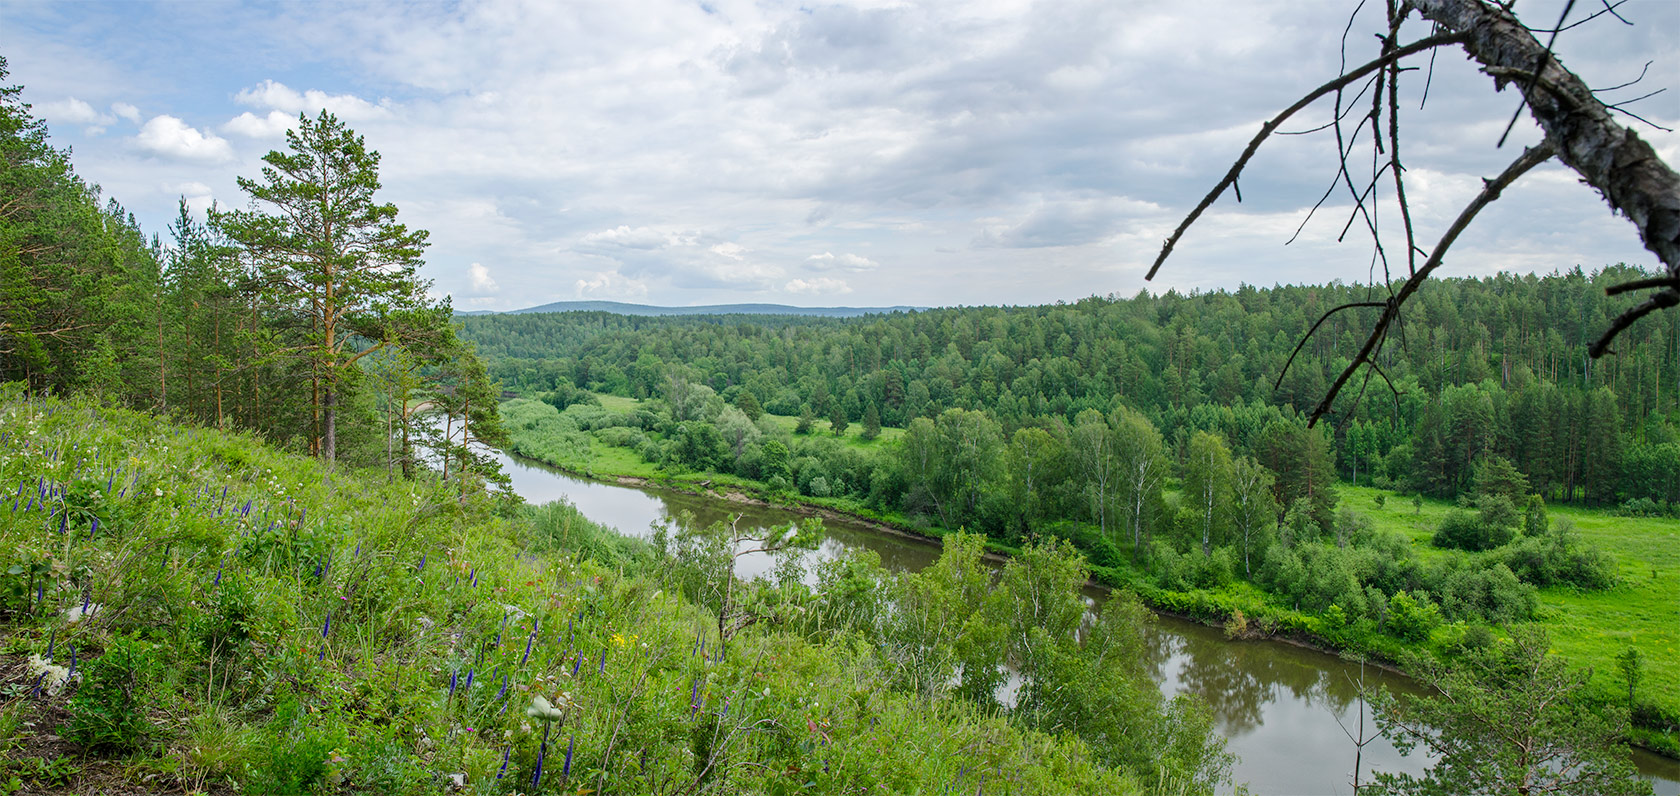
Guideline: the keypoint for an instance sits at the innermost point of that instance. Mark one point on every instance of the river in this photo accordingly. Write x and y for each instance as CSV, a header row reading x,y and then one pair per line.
x,y
1282,708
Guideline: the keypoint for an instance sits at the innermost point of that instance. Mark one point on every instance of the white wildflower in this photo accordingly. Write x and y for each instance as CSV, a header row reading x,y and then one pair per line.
x,y
53,677
80,612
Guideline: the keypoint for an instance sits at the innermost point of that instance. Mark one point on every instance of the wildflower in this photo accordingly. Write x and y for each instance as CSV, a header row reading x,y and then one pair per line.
x,y
503,771
49,678
83,611
566,770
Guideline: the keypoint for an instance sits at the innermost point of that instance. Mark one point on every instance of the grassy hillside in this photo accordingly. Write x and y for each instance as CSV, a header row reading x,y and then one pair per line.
x,y
206,614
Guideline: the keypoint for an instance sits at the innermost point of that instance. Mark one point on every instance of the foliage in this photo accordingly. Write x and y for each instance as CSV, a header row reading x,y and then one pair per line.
x,y
1507,719
109,708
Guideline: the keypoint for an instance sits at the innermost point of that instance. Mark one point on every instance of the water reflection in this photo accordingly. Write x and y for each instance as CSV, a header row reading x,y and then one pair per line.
x,y
1278,705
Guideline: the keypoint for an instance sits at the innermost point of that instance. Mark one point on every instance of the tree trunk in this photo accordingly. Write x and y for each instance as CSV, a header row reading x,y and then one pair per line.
x,y
329,414
1627,172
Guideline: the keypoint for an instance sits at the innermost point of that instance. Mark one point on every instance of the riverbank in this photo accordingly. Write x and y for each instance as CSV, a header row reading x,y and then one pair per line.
x,y
1252,613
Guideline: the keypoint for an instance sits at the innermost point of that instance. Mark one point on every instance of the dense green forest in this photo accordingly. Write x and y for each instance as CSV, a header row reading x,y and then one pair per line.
x,y
1494,366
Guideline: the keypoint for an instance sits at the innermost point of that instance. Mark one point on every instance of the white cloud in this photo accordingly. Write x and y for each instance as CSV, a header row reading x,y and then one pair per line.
x,y
277,96
170,137
74,111
481,280
818,286
250,125
611,284
199,196
643,238
126,111
828,261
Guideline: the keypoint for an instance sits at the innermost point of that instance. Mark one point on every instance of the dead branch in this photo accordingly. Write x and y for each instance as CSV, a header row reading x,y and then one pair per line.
x,y
1271,126
1586,137
1490,191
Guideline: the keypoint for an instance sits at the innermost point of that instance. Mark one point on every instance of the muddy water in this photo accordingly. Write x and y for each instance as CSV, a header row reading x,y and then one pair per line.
x,y
1283,709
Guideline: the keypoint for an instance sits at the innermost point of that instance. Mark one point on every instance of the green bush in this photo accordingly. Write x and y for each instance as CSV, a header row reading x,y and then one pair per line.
x,y
108,711
1412,617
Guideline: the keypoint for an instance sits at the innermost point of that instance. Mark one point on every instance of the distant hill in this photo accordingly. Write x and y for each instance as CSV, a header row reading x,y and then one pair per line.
x,y
621,308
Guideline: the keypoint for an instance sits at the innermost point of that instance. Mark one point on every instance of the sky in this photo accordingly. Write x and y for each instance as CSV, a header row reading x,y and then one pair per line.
x,y
862,154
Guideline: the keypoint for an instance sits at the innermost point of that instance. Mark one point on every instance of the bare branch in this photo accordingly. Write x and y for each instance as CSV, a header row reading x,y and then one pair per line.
x,y
1309,334
1539,64
1490,192
1271,126
1627,172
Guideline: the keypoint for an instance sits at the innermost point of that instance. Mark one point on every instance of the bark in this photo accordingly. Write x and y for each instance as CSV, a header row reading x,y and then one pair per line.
x,y
1610,157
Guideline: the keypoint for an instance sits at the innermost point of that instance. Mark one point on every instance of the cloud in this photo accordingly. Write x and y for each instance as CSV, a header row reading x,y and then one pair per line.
x,y
250,125
481,280
277,96
641,238
1068,222
74,111
172,138
126,111
828,261
819,286
198,196
611,284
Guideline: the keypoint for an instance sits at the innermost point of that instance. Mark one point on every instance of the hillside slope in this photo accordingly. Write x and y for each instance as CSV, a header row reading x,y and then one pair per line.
x,y
190,610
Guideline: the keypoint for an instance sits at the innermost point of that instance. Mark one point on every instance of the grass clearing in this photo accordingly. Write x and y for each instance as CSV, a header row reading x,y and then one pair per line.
x,y
1589,628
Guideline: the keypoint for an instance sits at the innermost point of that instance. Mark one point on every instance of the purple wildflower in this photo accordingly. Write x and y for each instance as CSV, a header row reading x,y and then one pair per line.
x,y
327,625
542,752
468,684
452,680
576,662
422,566
503,693
505,752
603,662
94,529
566,770
528,640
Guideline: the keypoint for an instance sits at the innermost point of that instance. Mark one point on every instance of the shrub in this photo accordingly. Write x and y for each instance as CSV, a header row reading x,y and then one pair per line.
x,y
1412,617
1461,530
108,710
1558,557
1493,594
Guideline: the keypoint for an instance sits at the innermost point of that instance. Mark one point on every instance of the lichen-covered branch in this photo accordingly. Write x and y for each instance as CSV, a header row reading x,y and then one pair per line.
x,y
1586,136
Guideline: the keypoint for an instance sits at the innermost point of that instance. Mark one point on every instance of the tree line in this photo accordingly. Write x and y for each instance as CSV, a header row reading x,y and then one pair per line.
x,y
302,317
1488,366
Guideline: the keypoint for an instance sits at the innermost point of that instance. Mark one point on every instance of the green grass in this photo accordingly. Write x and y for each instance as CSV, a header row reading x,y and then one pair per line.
x,y
211,664
1589,628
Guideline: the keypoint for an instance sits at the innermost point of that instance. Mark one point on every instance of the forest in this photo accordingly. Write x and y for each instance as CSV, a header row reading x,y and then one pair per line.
x,y
1155,434
242,320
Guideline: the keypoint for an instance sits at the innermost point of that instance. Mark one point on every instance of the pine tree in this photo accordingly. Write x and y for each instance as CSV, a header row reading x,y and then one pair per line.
x,y
329,254
871,422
